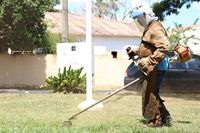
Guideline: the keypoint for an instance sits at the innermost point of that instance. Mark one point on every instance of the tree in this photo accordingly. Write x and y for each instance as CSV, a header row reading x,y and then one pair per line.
x,y
21,23
103,9
51,40
55,2
178,35
168,7
113,8
129,10
100,8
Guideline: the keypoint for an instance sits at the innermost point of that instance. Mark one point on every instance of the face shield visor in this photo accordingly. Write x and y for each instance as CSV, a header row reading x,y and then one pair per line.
x,y
139,19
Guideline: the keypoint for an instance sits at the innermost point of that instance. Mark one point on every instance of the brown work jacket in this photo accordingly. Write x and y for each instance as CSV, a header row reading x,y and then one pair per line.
x,y
154,43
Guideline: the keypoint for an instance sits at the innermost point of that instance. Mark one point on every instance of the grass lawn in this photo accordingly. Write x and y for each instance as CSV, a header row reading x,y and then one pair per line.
x,y
45,113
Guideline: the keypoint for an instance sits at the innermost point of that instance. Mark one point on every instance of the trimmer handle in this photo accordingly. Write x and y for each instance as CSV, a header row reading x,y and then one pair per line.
x,y
131,56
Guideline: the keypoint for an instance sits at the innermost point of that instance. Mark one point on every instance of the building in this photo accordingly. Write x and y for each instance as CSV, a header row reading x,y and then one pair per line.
x,y
194,44
107,35
110,38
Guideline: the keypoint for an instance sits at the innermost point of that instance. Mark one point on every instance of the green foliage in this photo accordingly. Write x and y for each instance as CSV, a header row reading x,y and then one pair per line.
x,y
100,8
74,38
55,2
51,40
21,23
68,81
103,9
168,7
178,35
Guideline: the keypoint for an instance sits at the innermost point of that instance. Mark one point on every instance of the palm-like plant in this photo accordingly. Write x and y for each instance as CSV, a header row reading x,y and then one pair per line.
x,y
103,9
113,7
100,9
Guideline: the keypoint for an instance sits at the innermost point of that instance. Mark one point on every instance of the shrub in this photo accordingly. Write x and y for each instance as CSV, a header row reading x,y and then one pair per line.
x,y
68,81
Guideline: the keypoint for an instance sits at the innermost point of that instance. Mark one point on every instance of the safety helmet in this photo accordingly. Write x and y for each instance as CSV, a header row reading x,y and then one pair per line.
x,y
143,14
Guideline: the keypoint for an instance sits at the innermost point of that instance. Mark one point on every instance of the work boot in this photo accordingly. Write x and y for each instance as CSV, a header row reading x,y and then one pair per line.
x,y
156,122
168,120
152,124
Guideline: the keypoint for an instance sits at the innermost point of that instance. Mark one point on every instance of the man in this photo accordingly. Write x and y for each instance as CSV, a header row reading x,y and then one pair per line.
x,y
152,53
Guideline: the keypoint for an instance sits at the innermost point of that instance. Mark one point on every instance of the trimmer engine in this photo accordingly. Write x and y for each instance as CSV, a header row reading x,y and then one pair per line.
x,y
181,53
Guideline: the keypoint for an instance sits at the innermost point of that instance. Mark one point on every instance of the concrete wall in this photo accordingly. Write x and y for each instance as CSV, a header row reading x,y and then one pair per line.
x,y
109,72
25,71
29,71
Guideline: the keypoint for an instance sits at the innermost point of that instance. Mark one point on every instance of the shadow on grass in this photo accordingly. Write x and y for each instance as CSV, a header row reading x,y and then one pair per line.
x,y
184,122
143,121
120,95
185,96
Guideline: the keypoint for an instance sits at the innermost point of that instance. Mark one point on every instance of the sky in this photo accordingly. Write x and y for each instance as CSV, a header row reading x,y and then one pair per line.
x,y
186,16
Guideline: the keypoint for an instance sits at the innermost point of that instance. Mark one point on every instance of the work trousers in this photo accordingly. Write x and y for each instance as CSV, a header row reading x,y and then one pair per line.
x,y
159,80
152,108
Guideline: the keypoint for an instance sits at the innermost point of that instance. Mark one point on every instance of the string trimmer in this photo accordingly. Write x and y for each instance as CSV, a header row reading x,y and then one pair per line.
x,y
70,123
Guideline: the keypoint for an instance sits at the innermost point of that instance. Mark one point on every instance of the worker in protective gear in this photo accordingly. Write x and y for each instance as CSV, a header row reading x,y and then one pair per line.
x,y
153,62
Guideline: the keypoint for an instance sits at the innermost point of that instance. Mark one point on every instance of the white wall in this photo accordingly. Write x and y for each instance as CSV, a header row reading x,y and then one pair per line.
x,y
194,44
195,48
102,44
67,56
196,33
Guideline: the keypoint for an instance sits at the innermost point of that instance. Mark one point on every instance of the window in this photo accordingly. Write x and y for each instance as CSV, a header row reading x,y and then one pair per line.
x,y
132,67
114,54
176,65
194,63
73,48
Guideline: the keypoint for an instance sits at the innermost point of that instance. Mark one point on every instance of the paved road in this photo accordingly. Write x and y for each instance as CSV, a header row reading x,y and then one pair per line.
x,y
15,91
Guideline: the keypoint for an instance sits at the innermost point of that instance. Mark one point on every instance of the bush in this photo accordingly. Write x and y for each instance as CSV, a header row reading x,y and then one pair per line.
x,y
51,40
68,81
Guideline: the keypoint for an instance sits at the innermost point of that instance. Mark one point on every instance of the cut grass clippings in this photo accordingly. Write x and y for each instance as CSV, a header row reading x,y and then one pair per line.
x,y
45,113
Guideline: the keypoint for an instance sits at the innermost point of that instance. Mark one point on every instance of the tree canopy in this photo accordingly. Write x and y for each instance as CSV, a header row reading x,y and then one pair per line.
x,y
102,9
22,25
161,9
168,7
178,35
55,2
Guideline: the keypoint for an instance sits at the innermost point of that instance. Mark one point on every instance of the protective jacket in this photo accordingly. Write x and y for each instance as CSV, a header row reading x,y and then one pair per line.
x,y
154,45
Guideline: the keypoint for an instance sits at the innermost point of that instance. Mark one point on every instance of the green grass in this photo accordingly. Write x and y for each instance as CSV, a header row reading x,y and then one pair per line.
x,y
45,113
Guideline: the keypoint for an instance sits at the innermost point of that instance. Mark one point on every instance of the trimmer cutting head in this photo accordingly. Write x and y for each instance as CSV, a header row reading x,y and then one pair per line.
x,y
67,123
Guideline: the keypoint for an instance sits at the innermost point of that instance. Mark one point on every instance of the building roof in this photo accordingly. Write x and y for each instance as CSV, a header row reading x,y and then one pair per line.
x,y
100,26
192,26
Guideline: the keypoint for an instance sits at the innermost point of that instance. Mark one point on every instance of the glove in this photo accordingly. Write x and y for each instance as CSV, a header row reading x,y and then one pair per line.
x,y
130,53
143,64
